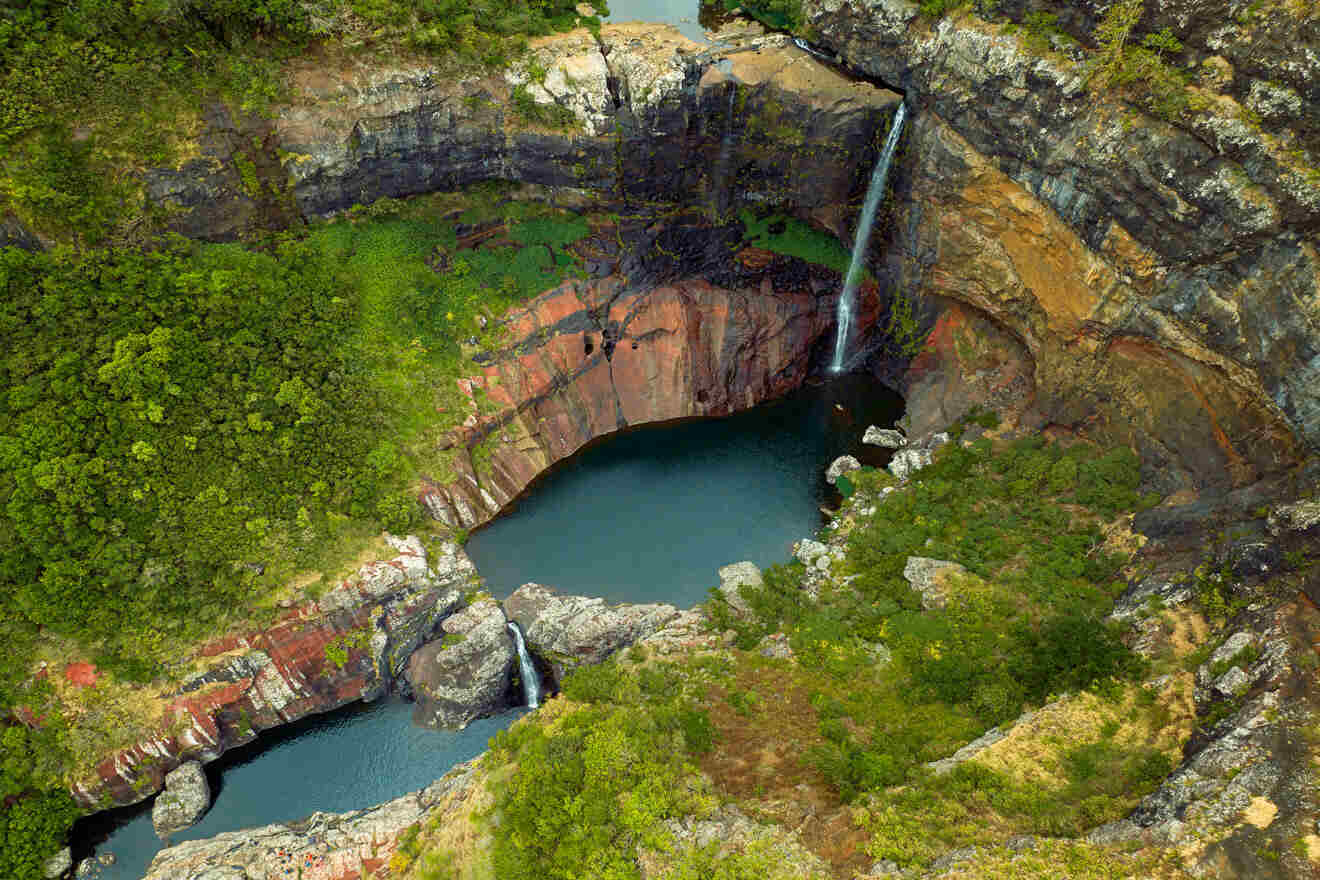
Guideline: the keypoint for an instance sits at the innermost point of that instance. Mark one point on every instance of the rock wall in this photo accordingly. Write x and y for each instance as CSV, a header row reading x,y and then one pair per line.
x,y
371,622
640,114
594,357
1163,279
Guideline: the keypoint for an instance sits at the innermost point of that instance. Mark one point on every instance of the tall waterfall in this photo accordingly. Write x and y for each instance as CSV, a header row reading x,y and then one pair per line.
x,y
531,679
853,280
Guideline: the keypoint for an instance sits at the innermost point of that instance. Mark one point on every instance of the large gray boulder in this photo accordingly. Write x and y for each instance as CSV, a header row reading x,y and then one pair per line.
x,y
58,865
573,631
733,578
465,673
844,464
185,799
884,437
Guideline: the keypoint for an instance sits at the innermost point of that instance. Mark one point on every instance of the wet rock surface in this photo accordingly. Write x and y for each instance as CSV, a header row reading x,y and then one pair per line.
x,y
571,631
185,799
466,673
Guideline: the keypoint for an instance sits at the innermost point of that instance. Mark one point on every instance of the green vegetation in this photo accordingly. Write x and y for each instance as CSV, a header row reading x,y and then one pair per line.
x,y
879,687
1024,624
779,14
184,430
792,237
136,75
598,782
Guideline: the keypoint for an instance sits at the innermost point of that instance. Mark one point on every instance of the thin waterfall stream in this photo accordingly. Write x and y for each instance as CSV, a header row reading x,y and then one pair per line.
x,y
531,679
853,280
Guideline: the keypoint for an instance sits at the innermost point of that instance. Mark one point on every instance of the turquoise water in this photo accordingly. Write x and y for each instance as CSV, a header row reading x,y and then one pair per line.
x,y
651,515
643,516
682,14
356,757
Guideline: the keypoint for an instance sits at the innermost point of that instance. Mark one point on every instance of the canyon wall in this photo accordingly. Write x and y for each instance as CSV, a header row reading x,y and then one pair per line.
x,y
319,655
638,114
1164,279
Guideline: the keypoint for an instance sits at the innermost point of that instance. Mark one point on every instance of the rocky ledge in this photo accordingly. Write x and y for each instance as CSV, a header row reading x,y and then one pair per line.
x,y
348,645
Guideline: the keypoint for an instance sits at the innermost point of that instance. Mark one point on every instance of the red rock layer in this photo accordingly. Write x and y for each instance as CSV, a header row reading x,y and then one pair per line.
x,y
273,676
590,358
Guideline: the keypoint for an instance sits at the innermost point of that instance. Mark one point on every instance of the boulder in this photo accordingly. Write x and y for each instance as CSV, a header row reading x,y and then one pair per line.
x,y
573,631
58,865
913,458
929,577
733,578
885,437
840,466
465,673
185,799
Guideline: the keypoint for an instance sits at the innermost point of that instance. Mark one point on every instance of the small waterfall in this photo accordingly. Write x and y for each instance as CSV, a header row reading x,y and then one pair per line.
x,y
853,280
531,679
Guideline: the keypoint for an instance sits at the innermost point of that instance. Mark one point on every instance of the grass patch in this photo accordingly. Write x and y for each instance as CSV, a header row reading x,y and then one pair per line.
x,y
793,238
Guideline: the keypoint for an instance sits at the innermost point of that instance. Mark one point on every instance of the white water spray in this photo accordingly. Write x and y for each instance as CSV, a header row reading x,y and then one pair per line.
x,y
853,280
531,679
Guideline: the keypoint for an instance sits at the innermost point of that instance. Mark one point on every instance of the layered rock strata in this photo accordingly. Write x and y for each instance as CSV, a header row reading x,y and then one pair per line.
x,y
638,113
348,645
1162,279
593,357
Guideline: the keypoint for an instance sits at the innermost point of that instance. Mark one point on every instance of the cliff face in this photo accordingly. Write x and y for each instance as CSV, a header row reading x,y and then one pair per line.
x,y
640,114
348,645
1163,279
627,348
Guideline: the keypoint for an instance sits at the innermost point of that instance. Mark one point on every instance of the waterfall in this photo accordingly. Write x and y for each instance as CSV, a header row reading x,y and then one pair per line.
x,y
531,679
853,279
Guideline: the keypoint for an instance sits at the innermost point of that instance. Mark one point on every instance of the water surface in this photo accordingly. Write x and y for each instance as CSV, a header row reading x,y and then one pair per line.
x,y
356,757
650,515
682,14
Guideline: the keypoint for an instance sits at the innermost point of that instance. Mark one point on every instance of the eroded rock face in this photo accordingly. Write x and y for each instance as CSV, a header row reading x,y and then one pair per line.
x,y
1162,281
347,646
572,631
186,797
590,358
649,111
464,674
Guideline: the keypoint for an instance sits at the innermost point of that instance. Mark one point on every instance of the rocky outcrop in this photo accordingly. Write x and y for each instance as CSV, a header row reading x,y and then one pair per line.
x,y
915,456
1162,279
886,438
185,799
324,846
931,578
348,645
844,464
571,631
733,578
465,674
